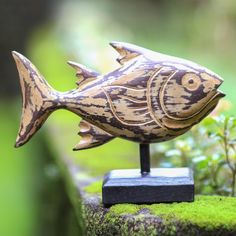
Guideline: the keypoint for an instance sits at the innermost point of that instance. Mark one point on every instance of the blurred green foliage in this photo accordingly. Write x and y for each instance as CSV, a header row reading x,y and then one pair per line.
x,y
18,179
202,31
210,150
32,197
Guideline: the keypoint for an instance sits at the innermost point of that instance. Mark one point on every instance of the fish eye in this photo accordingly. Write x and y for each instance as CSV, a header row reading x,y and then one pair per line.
x,y
191,81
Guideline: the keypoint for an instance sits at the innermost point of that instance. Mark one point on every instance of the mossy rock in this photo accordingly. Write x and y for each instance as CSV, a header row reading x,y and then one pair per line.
x,y
207,215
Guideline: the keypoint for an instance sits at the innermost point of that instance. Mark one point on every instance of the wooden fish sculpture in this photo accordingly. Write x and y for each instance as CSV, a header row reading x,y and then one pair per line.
x,y
151,98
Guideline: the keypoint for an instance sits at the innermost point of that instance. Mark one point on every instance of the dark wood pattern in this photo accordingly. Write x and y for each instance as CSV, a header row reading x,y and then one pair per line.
x,y
152,97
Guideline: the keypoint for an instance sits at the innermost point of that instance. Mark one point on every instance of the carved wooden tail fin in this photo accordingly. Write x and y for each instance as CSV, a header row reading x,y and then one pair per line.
x,y
38,99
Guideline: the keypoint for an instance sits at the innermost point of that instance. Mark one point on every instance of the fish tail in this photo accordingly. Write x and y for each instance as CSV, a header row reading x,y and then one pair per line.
x,y
39,99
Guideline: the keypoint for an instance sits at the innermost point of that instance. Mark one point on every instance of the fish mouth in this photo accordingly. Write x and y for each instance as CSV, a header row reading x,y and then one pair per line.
x,y
219,94
211,105
213,101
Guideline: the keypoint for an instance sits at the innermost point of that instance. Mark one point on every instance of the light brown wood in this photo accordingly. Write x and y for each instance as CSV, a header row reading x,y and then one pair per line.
x,y
152,97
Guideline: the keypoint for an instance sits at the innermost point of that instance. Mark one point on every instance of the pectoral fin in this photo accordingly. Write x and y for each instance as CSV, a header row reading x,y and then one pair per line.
x,y
128,105
91,136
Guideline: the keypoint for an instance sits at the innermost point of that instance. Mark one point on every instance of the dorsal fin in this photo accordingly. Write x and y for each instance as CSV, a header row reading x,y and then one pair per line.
x,y
83,73
127,51
91,136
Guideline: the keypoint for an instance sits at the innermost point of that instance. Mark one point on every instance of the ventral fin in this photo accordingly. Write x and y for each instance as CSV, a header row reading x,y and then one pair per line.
x,y
91,136
127,51
84,74
128,105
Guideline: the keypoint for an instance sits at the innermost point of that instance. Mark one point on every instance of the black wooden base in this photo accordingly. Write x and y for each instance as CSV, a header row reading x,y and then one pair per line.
x,y
160,185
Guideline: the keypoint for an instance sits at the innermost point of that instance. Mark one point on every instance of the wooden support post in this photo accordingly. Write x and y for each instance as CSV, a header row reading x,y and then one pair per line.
x,y
144,150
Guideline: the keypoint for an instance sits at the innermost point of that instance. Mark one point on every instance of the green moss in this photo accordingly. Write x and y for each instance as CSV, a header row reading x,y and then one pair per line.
x,y
120,209
207,215
95,187
206,211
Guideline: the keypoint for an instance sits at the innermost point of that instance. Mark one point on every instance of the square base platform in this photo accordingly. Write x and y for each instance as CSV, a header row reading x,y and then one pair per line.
x,y
160,185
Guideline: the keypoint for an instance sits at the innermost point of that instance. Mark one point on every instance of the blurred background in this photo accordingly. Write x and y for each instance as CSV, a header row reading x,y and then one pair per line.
x,y
52,32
